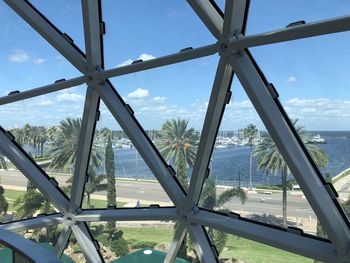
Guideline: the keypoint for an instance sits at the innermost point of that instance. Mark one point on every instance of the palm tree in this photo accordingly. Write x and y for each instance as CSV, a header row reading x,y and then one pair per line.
x,y
105,133
34,134
270,159
41,139
211,201
52,133
178,145
22,135
250,132
31,202
63,152
64,147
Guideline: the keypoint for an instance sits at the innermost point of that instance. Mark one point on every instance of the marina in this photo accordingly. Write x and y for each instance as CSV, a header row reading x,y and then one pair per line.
x,y
230,161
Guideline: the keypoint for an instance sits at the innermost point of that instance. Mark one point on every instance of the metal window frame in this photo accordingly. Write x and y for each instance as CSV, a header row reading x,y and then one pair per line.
x,y
228,29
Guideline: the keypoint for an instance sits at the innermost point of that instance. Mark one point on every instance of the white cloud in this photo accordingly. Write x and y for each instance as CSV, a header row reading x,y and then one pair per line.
x,y
159,99
39,61
18,56
69,97
291,79
143,57
125,63
138,94
44,103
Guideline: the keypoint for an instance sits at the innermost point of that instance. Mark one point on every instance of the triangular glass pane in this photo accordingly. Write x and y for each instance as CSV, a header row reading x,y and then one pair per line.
x,y
72,24
134,241
246,172
45,127
165,100
20,199
161,28
284,13
28,61
317,96
135,184
231,247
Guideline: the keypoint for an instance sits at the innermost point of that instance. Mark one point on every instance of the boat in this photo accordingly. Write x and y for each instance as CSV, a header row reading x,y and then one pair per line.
x,y
220,146
317,140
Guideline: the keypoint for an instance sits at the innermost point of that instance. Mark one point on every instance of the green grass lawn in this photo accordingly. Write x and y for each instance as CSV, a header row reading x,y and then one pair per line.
x,y
253,252
157,234
238,248
11,196
100,203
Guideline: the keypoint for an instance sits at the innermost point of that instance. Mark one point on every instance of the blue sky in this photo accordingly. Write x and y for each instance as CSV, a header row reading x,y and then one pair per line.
x,y
310,75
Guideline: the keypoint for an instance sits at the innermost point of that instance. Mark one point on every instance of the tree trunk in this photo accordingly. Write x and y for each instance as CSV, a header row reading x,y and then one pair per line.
x,y
250,167
284,197
48,234
181,171
88,200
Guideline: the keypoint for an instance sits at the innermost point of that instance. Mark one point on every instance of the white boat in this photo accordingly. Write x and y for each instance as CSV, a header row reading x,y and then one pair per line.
x,y
220,146
317,139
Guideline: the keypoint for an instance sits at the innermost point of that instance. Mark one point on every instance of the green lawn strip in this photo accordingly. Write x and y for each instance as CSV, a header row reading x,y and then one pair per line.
x,y
250,251
160,235
11,196
95,203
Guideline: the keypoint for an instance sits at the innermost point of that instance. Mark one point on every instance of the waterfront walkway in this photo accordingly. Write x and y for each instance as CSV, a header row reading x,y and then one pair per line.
x,y
342,184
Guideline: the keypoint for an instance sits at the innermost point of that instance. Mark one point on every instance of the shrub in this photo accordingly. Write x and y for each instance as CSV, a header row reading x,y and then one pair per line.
x,y
142,244
119,247
76,248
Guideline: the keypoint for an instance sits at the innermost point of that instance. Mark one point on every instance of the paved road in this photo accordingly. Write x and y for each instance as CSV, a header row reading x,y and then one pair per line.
x,y
152,192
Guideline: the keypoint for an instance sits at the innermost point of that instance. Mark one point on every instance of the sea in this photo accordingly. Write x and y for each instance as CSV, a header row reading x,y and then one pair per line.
x,y
230,166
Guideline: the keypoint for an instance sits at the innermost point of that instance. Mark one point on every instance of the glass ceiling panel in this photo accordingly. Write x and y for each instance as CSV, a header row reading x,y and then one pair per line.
x,y
313,88
286,12
132,33
71,11
170,94
246,177
20,199
27,60
135,184
46,127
